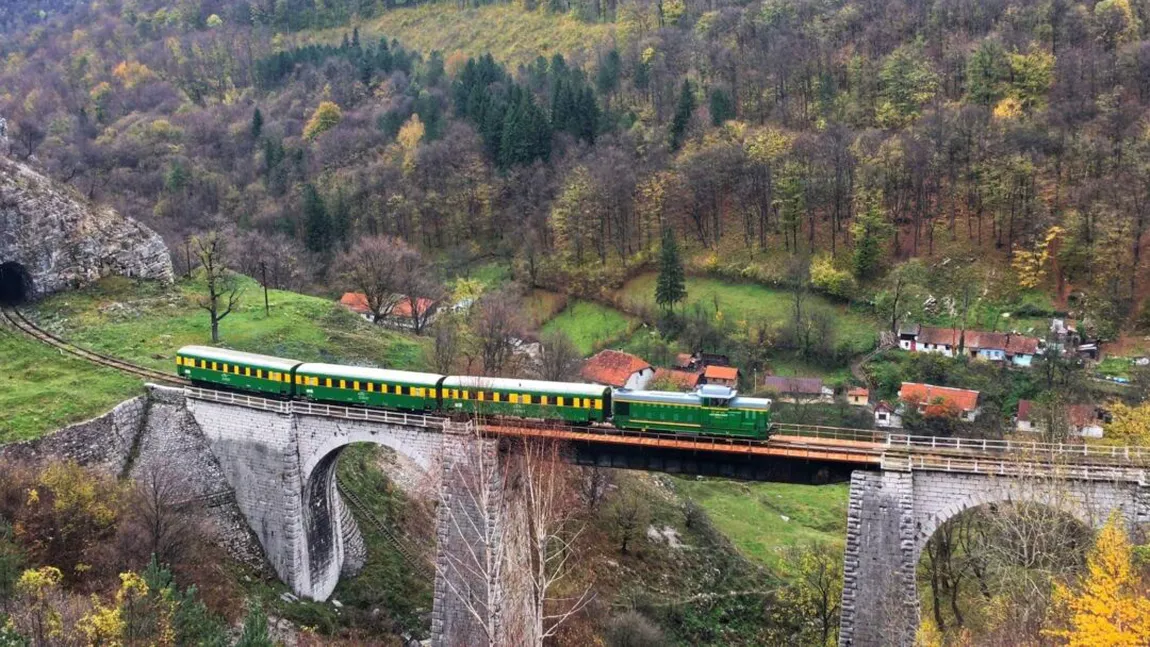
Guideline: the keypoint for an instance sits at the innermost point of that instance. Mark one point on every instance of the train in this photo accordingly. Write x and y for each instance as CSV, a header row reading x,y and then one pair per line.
x,y
710,410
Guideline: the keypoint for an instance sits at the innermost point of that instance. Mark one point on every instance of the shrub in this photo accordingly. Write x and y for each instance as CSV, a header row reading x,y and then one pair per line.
x,y
633,629
830,280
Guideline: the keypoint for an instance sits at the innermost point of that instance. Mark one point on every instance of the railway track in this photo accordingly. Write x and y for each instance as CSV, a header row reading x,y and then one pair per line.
x,y
21,323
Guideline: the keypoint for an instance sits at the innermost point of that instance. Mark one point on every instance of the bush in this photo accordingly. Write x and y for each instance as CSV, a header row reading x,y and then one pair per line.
x,y
831,281
633,629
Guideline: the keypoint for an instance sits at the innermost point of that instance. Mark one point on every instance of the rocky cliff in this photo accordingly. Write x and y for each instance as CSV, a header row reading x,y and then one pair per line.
x,y
53,240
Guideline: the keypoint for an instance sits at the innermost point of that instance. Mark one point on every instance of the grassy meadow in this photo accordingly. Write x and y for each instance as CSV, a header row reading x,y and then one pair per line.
x,y
591,326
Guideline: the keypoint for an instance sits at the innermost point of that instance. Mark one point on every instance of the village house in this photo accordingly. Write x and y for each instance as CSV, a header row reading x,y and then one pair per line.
x,y
858,396
722,375
994,346
618,369
676,379
798,389
1084,420
934,400
400,314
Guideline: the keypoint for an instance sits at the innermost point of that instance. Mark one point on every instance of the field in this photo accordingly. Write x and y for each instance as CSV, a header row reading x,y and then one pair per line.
x,y
146,322
44,390
763,519
513,36
747,304
590,326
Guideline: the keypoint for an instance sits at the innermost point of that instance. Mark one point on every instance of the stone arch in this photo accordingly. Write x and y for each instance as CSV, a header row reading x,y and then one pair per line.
x,y
1076,504
334,546
16,286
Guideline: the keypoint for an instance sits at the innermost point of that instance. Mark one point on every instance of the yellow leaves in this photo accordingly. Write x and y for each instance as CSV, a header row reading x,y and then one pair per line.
x,y
74,491
1105,608
1129,425
326,116
1007,109
1030,265
673,11
37,582
648,55
132,73
765,145
410,134
33,497
102,625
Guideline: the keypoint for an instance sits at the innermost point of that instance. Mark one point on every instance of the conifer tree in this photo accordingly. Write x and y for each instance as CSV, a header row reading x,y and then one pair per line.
x,y
316,221
671,286
683,114
257,124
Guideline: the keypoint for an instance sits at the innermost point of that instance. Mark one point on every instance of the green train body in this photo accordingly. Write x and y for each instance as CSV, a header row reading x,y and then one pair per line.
x,y
373,387
567,401
237,370
710,410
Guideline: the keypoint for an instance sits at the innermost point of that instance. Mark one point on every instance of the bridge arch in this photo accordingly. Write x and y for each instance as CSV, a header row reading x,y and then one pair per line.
x,y
16,286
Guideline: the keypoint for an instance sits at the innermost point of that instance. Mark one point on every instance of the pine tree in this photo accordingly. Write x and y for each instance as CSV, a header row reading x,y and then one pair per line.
x,y
316,221
257,124
683,113
671,286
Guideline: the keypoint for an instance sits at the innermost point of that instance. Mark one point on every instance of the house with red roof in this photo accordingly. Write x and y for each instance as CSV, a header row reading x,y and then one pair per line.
x,y
618,369
937,401
1083,419
677,379
994,346
722,375
400,314
796,389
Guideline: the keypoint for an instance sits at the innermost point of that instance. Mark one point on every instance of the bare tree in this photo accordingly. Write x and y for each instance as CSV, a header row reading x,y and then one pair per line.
x,y
498,326
373,266
224,289
416,283
558,357
448,344
159,520
545,505
473,573
627,516
594,482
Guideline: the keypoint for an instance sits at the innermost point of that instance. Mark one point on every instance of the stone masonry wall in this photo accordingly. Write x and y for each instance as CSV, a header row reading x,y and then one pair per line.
x,y
104,442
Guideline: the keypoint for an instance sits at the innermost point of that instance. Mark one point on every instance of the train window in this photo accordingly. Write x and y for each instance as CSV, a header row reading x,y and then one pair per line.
x,y
559,401
214,367
543,400
622,408
466,394
598,404
514,398
495,397
327,382
481,395
399,390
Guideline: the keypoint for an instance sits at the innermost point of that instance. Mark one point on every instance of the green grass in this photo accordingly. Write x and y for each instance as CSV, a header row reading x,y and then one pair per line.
x,y
41,390
748,303
590,326
146,323
751,514
513,36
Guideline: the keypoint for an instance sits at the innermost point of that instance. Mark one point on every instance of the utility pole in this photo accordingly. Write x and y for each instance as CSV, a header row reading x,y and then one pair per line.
x,y
264,280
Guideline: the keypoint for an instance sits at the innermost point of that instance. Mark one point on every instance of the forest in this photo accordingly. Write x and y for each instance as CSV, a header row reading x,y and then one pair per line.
x,y
854,133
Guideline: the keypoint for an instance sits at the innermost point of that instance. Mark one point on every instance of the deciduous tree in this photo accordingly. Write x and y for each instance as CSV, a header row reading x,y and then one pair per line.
x,y
223,286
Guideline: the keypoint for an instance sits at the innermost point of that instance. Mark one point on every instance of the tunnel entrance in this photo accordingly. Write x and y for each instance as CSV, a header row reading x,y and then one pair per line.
x,y
15,284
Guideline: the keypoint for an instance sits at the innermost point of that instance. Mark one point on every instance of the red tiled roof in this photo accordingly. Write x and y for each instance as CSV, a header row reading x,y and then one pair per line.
x,y
963,399
1024,410
681,379
858,391
356,302
883,405
979,340
612,367
403,308
1082,415
938,336
800,385
1021,345
721,373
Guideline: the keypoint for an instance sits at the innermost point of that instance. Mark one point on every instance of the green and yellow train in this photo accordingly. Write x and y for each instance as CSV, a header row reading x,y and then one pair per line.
x,y
710,410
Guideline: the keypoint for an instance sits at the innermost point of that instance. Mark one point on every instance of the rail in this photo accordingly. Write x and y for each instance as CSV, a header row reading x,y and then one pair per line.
x,y
29,328
988,446
990,466
401,544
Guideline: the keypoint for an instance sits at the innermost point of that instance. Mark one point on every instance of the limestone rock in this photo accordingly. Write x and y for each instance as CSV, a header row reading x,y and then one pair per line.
x,y
60,241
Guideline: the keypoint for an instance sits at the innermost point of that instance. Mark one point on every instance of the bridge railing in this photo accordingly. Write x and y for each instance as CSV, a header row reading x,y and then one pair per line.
x,y
982,445
1006,467
239,399
382,416
829,433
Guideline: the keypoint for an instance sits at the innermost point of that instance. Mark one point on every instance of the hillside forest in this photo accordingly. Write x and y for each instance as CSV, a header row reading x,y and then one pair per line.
x,y
854,133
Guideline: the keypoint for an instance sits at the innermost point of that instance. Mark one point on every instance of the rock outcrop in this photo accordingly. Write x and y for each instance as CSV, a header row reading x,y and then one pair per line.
x,y
54,240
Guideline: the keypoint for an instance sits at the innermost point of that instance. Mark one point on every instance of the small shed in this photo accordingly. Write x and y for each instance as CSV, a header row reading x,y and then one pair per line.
x,y
618,369
858,396
723,375
885,416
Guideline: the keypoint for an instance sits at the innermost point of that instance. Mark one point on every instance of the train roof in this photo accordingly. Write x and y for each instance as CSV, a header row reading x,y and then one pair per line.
x,y
534,386
694,398
370,374
239,357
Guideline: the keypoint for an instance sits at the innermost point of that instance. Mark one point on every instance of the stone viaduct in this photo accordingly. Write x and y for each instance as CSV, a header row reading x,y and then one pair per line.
x,y
892,513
